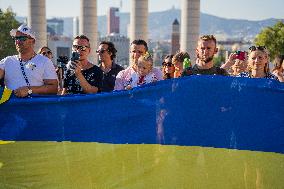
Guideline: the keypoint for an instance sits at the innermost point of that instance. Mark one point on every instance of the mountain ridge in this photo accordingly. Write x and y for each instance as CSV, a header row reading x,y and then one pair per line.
x,y
160,25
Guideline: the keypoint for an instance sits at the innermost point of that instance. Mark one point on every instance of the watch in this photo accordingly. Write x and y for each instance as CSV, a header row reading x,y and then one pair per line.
x,y
30,91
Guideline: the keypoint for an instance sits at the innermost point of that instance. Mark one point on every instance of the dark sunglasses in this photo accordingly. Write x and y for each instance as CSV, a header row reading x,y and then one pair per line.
x,y
46,53
101,51
79,47
254,48
21,38
169,64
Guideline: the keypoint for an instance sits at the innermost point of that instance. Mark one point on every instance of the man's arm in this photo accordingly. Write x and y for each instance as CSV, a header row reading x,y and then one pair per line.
x,y
1,73
49,87
87,88
2,78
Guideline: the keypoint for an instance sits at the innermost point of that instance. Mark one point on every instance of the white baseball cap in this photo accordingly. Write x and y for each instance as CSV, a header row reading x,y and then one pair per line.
x,y
23,29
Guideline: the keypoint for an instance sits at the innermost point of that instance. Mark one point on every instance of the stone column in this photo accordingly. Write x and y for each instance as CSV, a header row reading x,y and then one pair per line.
x,y
37,21
190,16
88,25
139,20
75,26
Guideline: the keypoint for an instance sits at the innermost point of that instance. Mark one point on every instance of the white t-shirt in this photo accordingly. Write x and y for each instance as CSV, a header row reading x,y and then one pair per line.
x,y
37,69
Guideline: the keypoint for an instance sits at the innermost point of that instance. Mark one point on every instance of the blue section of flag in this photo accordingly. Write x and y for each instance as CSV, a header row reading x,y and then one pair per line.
x,y
209,111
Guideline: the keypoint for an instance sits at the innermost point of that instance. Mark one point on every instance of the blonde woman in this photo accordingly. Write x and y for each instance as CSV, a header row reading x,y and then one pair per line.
x,y
258,64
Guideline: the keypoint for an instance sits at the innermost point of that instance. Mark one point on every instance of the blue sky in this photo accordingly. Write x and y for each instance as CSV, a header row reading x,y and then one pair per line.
x,y
240,9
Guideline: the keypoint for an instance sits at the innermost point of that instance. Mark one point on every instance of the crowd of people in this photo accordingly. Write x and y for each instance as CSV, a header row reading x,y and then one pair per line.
x,y
30,73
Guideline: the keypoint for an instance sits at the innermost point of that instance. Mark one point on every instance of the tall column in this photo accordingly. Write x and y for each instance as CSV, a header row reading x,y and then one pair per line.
x,y
88,25
190,16
139,20
37,21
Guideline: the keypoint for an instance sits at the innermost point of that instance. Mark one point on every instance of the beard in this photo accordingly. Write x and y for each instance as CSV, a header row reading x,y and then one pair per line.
x,y
205,59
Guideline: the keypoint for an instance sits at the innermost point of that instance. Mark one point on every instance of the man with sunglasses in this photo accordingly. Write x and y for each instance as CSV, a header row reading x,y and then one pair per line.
x,y
107,54
82,76
205,51
138,48
28,73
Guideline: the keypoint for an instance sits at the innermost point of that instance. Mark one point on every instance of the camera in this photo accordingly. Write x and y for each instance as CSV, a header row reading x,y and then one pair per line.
x,y
241,55
62,61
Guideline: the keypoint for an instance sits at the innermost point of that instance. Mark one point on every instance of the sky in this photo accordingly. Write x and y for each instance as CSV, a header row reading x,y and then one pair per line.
x,y
240,9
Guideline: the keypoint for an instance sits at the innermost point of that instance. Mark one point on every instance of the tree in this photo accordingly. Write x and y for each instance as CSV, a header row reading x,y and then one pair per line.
x,y
273,39
7,22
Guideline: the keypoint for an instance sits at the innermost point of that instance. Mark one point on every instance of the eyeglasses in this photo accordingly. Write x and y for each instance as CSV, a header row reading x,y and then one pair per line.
x,y
254,48
21,38
101,51
169,64
46,53
80,47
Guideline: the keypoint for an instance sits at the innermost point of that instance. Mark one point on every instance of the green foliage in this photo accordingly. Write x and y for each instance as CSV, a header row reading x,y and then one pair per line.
x,y
7,22
219,60
273,39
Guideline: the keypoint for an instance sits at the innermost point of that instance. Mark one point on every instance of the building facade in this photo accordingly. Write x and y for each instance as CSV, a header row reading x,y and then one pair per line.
x,y
113,20
121,44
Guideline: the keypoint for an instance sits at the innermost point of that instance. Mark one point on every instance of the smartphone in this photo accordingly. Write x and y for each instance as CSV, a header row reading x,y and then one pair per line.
x,y
241,55
75,56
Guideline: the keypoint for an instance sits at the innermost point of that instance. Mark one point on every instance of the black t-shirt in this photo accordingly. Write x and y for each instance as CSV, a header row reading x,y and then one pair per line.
x,y
109,78
211,71
93,75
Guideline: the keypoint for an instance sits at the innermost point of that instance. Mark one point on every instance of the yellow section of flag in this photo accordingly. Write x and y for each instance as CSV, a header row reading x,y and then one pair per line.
x,y
88,165
5,95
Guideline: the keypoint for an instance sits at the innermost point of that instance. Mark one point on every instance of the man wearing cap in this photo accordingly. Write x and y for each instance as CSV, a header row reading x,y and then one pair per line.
x,y
28,73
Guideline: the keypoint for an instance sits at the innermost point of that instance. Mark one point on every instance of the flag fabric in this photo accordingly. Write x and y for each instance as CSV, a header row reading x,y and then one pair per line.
x,y
192,132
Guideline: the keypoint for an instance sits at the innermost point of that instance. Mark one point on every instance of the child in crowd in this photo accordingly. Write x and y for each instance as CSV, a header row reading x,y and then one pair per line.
x,y
178,61
144,72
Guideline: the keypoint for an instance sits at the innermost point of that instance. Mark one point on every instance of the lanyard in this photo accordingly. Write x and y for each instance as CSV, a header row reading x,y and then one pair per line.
x,y
24,73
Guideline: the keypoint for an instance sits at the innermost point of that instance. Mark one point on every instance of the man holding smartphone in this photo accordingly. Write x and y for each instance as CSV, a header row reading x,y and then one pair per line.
x,y
82,76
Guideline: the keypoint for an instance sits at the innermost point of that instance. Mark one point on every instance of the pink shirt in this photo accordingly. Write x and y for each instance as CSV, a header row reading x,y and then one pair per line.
x,y
123,78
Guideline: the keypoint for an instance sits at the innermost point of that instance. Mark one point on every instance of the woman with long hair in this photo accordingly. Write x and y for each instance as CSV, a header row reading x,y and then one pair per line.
x,y
258,64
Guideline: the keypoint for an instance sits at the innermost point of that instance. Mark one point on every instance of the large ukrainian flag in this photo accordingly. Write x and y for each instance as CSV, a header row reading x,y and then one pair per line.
x,y
195,132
